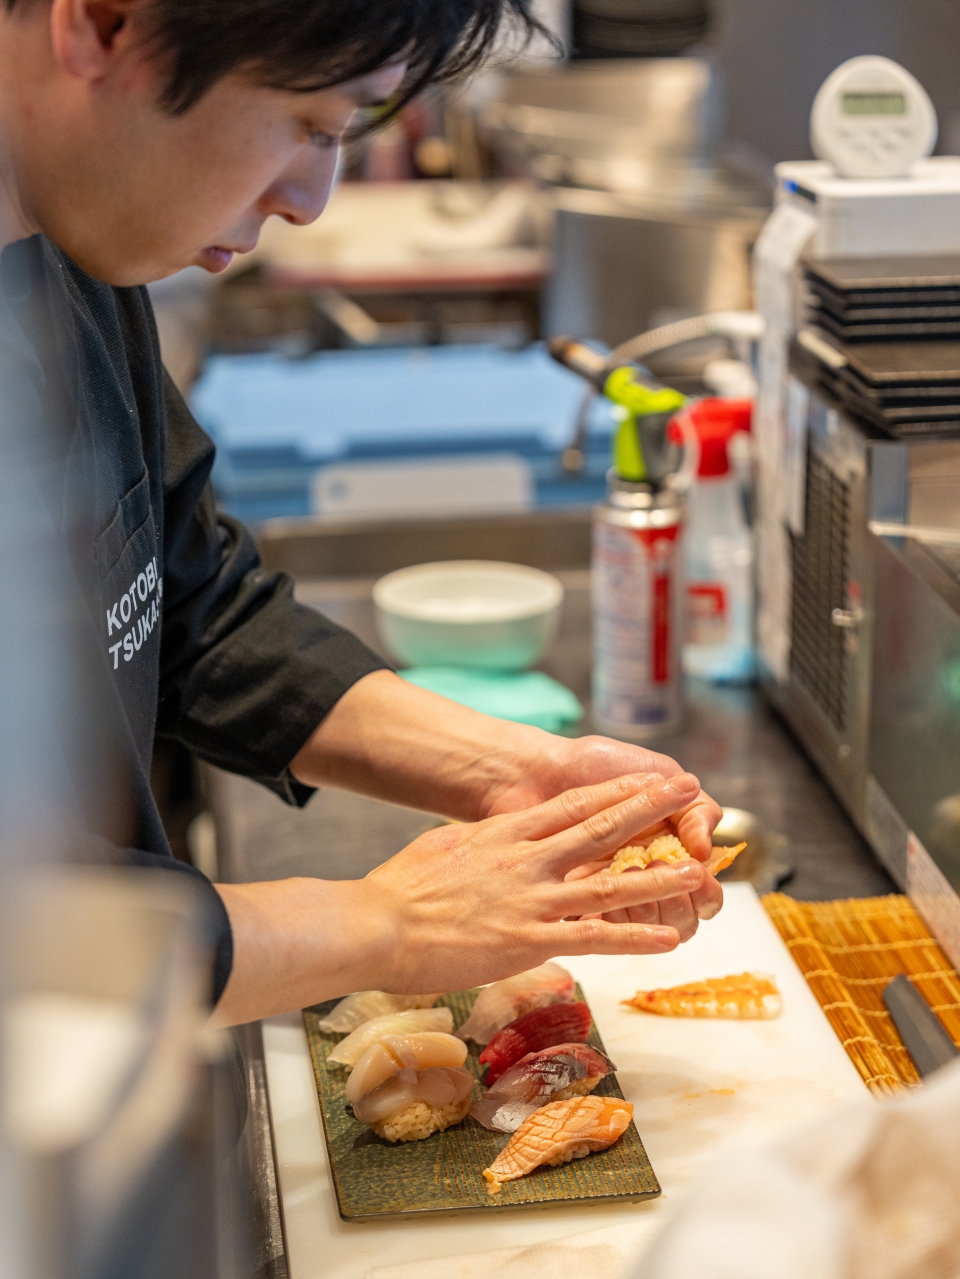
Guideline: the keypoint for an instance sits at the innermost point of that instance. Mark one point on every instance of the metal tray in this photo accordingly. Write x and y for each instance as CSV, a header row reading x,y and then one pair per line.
x,y
374,1179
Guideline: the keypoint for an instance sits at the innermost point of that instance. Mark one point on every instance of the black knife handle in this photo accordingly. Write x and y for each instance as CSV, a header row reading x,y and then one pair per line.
x,y
921,1030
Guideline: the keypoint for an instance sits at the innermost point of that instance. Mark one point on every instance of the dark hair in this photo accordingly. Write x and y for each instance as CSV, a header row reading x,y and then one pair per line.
x,y
304,45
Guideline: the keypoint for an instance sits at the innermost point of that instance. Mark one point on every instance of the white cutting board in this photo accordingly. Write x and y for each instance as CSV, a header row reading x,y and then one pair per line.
x,y
695,1085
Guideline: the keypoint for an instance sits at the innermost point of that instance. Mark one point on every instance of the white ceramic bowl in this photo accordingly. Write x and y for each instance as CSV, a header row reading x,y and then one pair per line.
x,y
476,613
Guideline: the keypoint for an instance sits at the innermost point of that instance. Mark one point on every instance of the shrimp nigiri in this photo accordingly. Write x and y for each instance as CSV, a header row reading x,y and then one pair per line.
x,y
393,1053
544,1027
349,1051
667,848
412,1104
557,1133
506,1000
566,1070
747,995
356,1009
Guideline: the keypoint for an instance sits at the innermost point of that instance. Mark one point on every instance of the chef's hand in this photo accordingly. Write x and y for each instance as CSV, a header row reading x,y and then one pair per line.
x,y
565,762
548,765
461,905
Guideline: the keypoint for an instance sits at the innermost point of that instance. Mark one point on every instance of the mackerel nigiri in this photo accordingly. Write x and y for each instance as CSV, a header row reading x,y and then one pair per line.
x,y
544,1027
349,1051
566,1070
393,1053
356,1009
506,1000
557,1133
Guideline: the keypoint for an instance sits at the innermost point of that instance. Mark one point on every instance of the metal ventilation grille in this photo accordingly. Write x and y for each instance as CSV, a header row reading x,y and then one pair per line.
x,y
820,574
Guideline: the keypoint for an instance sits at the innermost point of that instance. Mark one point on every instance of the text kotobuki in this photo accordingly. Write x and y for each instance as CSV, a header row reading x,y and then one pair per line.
x,y
139,605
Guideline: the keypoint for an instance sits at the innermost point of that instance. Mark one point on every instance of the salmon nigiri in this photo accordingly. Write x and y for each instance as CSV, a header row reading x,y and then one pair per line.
x,y
746,995
506,1000
557,1133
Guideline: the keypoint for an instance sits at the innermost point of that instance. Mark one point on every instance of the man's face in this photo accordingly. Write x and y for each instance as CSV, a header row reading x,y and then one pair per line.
x,y
134,194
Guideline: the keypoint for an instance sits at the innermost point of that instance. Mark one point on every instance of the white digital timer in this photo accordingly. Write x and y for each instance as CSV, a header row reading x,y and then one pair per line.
x,y
872,119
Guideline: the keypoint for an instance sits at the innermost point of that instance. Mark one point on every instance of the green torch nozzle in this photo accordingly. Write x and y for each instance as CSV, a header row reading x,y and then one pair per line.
x,y
636,401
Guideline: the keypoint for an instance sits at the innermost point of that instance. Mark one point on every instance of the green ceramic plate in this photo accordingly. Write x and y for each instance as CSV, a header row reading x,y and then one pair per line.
x,y
374,1179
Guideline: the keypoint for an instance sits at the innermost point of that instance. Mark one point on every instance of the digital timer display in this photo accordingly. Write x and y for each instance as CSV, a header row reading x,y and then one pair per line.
x,y
874,104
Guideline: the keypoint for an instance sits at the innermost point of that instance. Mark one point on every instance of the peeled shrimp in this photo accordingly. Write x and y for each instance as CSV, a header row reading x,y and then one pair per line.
x,y
746,995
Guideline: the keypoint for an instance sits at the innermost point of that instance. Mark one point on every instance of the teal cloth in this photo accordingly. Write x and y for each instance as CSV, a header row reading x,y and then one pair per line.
x,y
526,697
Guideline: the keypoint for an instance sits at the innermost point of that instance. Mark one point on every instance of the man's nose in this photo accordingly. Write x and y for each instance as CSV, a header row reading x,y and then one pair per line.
x,y
300,193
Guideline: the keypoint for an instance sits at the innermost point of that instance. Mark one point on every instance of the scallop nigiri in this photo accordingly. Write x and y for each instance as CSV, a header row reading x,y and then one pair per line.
x,y
365,1004
544,1027
744,995
565,1070
349,1051
413,1104
506,1000
393,1053
557,1133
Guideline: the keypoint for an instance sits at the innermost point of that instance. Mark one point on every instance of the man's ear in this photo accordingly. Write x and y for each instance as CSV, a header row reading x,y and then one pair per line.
x,y
88,36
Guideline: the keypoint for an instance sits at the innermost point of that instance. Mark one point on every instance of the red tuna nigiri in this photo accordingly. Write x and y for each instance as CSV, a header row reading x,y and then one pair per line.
x,y
534,1031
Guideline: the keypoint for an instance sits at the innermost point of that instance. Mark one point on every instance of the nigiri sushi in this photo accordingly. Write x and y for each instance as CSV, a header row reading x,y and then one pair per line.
x,y
392,1053
747,995
506,1000
544,1027
566,1070
557,1133
356,1009
349,1051
412,1104
667,848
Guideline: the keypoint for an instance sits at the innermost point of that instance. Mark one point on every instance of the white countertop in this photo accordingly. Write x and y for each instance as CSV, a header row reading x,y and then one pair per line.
x,y
695,1085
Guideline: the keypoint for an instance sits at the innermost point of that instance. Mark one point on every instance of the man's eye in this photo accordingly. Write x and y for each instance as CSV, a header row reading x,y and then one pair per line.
x,y
318,138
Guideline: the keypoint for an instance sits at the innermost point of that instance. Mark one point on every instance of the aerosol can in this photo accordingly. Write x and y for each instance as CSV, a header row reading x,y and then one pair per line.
x,y
638,587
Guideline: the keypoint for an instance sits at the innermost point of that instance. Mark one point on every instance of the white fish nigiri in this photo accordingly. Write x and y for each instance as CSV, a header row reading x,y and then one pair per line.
x,y
506,1000
393,1053
412,1104
349,1051
356,1009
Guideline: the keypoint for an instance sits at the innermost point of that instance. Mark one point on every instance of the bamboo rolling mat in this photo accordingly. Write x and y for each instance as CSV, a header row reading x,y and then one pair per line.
x,y
849,951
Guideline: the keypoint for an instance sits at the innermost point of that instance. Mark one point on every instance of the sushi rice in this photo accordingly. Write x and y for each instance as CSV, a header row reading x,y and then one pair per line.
x,y
665,848
420,1120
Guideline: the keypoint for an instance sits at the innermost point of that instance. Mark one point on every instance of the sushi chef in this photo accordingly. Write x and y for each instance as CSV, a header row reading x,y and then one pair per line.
x,y
138,137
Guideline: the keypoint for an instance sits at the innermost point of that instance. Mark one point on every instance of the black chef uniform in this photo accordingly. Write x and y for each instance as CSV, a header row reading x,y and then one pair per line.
x,y
195,640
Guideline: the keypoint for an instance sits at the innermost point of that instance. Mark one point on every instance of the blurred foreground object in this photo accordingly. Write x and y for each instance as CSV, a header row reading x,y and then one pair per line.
x,y
871,1191
116,1101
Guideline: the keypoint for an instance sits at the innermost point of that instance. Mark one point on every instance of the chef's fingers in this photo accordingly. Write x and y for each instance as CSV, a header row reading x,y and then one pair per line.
x,y
645,913
603,893
589,868
678,913
695,825
597,937
605,831
708,898
572,807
